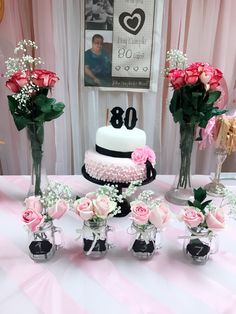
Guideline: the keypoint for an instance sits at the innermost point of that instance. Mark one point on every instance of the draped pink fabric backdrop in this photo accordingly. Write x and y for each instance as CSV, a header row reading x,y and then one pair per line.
x,y
204,29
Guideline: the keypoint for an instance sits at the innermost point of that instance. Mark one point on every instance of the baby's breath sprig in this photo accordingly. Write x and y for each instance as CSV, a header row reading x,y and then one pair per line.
x,y
26,61
146,196
54,192
175,59
229,200
132,188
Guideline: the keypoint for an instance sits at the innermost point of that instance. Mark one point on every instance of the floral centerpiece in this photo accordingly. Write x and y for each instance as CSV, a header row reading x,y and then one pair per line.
x,y
202,220
94,209
38,216
29,105
192,104
149,215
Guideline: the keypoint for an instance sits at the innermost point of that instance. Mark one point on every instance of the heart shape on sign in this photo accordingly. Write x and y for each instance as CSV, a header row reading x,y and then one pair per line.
x,y
132,23
136,68
117,68
145,69
127,68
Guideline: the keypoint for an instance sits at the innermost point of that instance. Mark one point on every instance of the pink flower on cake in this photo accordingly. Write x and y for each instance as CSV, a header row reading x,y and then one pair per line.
x,y
84,208
34,203
192,217
32,219
142,154
215,220
103,206
139,212
59,209
159,215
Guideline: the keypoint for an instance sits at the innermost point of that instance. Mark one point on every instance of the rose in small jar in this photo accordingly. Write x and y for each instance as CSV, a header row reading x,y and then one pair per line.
x,y
34,203
32,219
84,208
103,206
215,219
192,217
59,209
159,215
139,212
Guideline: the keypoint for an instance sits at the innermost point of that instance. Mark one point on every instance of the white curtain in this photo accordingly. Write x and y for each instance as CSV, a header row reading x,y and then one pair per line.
x,y
202,28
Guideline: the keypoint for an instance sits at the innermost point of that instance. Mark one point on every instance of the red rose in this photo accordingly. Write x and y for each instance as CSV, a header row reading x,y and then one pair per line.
x,y
44,78
176,77
17,81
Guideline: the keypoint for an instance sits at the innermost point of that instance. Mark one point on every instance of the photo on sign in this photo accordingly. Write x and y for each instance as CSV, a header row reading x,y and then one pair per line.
x,y
99,14
97,58
118,43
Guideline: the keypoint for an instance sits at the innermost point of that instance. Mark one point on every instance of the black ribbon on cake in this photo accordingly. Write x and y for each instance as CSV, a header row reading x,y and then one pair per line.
x,y
112,153
150,171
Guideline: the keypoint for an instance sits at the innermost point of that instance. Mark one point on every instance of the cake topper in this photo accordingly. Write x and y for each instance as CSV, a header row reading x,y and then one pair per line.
x,y
117,118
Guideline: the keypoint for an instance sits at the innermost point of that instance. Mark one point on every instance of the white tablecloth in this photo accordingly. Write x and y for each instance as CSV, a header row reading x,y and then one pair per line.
x,y
71,283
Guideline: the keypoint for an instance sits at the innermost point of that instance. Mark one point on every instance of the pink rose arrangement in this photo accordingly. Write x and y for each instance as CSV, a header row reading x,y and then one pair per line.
x,y
201,214
146,210
29,105
193,104
142,154
96,205
53,204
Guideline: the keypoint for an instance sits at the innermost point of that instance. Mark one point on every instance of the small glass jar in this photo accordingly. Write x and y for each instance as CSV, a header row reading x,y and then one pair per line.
x,y
95,238
199,243
44,242
145,240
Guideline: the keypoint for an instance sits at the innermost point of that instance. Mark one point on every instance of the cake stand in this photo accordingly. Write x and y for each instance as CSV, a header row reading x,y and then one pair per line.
x,y
125,206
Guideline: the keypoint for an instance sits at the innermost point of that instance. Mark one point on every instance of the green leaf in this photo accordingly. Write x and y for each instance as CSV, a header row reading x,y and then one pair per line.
x,y
178,116
12,103
52,115
213,96
199,194
205,204
59,106
20,121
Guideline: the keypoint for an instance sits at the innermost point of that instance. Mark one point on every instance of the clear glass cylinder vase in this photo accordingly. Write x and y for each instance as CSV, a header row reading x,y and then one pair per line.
x,y
44,242
199,244
95,243
145,240
38,180
182,191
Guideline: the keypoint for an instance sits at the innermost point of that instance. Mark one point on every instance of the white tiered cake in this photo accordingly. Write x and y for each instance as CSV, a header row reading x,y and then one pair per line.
x,y
119,156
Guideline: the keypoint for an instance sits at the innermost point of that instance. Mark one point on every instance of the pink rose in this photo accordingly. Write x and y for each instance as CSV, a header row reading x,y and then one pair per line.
x,y
139,212
176,77
159,215
103,206
206,73
32,219
84,208
91,195
142,154
17,81
192,217
33,202
215,220
217,76
192,74
59,209
44,78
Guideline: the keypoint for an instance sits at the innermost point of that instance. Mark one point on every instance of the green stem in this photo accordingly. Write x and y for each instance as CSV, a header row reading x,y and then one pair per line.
x,y
36,136
186,146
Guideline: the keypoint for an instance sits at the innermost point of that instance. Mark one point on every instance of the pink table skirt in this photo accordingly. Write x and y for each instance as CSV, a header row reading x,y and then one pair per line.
x,y
71,283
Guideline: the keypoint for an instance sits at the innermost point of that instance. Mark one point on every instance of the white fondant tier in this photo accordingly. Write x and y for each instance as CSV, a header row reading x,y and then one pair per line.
x,y
121,140
111,169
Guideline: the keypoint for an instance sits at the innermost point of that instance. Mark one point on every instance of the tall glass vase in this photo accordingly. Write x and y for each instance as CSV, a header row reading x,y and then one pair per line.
x,y
182,190
38,174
